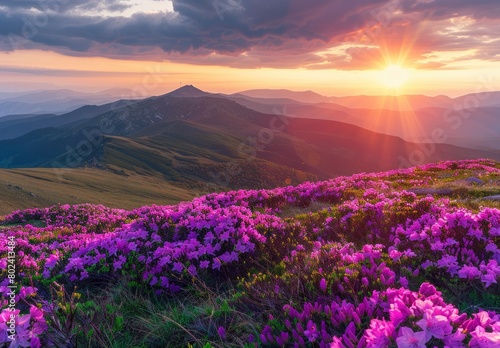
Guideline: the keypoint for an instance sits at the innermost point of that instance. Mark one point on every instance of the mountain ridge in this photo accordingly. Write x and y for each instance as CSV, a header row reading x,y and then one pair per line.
x,y
305,145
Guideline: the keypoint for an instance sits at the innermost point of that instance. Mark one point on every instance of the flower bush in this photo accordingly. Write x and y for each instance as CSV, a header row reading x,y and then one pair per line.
x,y
372,265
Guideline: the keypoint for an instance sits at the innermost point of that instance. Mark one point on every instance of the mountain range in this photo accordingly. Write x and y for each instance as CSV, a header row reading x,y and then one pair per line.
x,y
389,102
200,142
54,101
472,120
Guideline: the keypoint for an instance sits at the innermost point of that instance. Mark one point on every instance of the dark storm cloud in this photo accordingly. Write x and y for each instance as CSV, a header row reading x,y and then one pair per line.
x,y
284,33
217,25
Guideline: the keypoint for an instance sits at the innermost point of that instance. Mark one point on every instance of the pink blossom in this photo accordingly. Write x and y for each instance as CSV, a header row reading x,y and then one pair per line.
x,y
483,339
379,334
178,267
455,340
204,264
311,331
435,325
489,278
450,263
427,289
322,284
410,339
398,312
469,272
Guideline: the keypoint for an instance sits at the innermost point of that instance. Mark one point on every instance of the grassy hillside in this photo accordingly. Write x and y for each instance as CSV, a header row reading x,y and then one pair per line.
x,y
393,259
29,188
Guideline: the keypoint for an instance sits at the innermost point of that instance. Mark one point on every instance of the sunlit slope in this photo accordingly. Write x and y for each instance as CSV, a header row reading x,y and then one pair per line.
x,y
24,188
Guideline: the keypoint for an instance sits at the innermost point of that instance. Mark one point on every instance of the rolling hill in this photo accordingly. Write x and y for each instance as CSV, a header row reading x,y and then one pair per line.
x,y
202,142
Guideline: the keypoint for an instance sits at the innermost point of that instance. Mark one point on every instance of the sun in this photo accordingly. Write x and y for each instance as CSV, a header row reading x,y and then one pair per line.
x,y
394,76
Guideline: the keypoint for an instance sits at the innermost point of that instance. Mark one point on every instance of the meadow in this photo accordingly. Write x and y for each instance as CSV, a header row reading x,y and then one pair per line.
x,y
368,260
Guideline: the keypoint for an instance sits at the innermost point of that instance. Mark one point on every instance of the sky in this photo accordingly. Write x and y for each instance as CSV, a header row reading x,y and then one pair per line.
x,y
334,47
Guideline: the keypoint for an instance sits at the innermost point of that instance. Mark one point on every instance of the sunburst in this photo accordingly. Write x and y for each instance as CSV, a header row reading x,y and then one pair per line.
x,y
394,76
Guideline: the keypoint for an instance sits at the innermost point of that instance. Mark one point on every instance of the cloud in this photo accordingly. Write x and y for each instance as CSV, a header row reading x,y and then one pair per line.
x,y
444,9
259,33
63,6
70,73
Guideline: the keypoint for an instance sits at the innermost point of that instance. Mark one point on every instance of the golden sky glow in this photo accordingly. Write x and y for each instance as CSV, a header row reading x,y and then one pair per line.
x,y
381,47
150,77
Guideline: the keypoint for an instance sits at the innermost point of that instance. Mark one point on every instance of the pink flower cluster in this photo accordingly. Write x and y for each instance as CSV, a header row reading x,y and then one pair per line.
x,y
85,216
370,237
395,317
462,243
20,330
186,239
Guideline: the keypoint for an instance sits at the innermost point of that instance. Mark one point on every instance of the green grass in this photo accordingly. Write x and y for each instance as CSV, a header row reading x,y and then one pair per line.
x,y
126,316
29,188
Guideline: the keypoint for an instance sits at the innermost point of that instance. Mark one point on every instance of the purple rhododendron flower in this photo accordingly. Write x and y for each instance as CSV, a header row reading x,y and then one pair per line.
x,y
322,284
410,339
434,324
483,339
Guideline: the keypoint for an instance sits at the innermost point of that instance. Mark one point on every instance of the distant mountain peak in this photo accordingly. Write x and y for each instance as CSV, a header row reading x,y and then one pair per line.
x,y
301,96
188,91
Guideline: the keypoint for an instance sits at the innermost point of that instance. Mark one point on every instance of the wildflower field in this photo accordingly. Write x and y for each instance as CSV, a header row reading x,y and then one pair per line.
x,y
369,260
